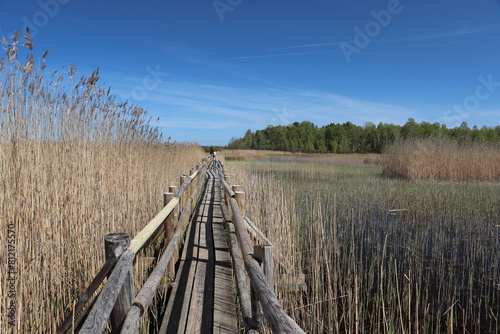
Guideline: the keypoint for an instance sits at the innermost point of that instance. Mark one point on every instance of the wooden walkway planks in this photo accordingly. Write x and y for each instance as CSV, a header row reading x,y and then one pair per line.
x,y
224,301
202,298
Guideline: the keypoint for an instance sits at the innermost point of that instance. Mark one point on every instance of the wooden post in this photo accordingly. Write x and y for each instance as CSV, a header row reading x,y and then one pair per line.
x,y
184,196
170,225
173,189
235,188
182,180
226,195
257,313
170,220
239,196
188,190
115,244
265,254
191,186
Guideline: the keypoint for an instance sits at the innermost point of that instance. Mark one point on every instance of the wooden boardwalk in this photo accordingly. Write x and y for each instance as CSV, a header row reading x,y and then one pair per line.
x,y
203,295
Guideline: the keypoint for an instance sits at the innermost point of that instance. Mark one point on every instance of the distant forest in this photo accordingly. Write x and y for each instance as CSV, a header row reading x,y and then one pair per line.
x,y
350,138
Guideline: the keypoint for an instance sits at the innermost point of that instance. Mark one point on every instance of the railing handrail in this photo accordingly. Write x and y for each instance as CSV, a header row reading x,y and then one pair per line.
x,y
144,297
150,229
101,310
277,318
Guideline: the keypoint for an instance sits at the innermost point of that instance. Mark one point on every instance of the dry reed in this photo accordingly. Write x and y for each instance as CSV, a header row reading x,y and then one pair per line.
x,y
353,159
430,266
75,165
440,159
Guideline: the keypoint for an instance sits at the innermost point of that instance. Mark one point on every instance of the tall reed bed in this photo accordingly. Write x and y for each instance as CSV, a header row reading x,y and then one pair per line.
x,y
75,165
440,159
281,156
380,255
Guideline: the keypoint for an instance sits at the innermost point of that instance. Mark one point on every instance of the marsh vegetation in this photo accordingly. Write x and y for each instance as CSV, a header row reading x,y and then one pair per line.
x,y
75,165
379,254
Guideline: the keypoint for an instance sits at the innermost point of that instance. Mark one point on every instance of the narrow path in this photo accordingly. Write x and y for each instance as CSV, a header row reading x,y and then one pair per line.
x,y
202,298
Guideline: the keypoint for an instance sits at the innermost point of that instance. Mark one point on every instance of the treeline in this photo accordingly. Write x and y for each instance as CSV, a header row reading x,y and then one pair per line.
x,y
350,138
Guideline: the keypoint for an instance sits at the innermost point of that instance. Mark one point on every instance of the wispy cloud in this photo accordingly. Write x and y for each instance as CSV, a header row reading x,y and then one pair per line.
x,y
273,55
212,114
191,106
315,45
445,34
80,21
317,48
190,123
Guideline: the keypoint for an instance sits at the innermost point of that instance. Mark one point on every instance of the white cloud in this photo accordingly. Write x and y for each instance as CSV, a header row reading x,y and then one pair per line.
x,y
257,107
203,112
190,123
315,47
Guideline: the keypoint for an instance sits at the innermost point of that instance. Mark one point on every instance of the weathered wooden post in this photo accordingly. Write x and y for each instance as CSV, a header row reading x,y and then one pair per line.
x,y
188,189
184,196
183,179
265,254
239,196
226,195
257,312
191,185
170,220
115,244
235,188
170,225
173,189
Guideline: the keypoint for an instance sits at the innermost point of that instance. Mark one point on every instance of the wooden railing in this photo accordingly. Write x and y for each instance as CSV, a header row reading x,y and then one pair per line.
x,y
262,300
117,300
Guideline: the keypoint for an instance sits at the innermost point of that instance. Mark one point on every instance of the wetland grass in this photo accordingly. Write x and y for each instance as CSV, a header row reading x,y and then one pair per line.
x,y
380,255
443,159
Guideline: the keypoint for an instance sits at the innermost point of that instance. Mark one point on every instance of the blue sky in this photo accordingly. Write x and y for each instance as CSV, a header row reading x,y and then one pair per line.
x,y
210,70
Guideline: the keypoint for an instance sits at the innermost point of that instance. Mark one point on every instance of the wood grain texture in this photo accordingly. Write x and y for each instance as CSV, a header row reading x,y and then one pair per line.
x,y
202,299
100,313
278,320
241,281
150,229
101,275
224,297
